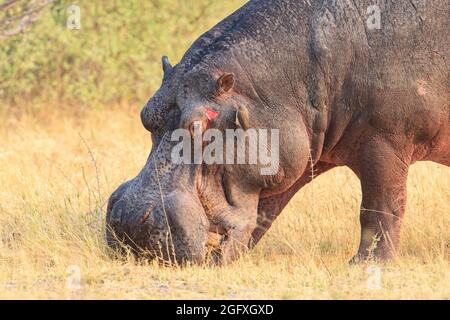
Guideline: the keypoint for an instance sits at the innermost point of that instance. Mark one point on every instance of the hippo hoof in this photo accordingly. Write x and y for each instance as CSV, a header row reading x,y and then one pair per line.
x,y
358,259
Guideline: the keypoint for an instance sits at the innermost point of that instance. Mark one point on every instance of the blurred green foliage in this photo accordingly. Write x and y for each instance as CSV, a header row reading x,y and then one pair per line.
x,y
113,59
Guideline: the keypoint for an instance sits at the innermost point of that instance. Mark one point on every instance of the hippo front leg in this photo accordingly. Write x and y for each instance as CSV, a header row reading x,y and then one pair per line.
x,y
383,172
269,208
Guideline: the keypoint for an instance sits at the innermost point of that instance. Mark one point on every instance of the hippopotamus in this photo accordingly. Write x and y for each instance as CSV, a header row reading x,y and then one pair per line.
x,y
362,84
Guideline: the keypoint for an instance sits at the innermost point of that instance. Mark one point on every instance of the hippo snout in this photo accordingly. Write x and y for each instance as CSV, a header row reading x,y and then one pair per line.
x,y
173,228
188,226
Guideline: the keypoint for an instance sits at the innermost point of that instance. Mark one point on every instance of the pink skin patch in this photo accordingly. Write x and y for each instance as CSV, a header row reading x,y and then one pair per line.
x,y
211,114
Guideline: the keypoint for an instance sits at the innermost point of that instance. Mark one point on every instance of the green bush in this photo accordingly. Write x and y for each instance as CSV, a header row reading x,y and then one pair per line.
x,y
113,59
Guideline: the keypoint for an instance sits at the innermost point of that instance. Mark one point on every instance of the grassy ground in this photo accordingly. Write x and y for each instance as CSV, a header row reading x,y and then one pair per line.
x,y
57,171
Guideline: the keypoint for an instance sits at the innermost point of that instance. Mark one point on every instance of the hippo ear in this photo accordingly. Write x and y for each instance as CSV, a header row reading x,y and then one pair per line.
x,y
242,118
167,67
225,83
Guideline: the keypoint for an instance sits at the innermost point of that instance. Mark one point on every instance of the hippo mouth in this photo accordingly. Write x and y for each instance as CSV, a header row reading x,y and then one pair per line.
x,y
215,240
217,236
216,200
182,227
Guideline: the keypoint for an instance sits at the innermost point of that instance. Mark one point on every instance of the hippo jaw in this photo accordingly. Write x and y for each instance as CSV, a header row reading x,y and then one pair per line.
x,y
168,213
177,225
157,215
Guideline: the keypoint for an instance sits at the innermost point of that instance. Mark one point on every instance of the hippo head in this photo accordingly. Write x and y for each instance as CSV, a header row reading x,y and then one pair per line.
x,y
181,211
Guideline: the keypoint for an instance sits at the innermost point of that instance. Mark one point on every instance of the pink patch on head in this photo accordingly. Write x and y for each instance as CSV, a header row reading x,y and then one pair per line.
x,y
211,114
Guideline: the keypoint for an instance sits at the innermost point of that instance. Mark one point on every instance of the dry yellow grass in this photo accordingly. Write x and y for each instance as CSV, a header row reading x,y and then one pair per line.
x,y
57,171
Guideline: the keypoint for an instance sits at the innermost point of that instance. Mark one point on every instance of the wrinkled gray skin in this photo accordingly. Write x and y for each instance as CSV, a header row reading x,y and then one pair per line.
x,y
342,95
